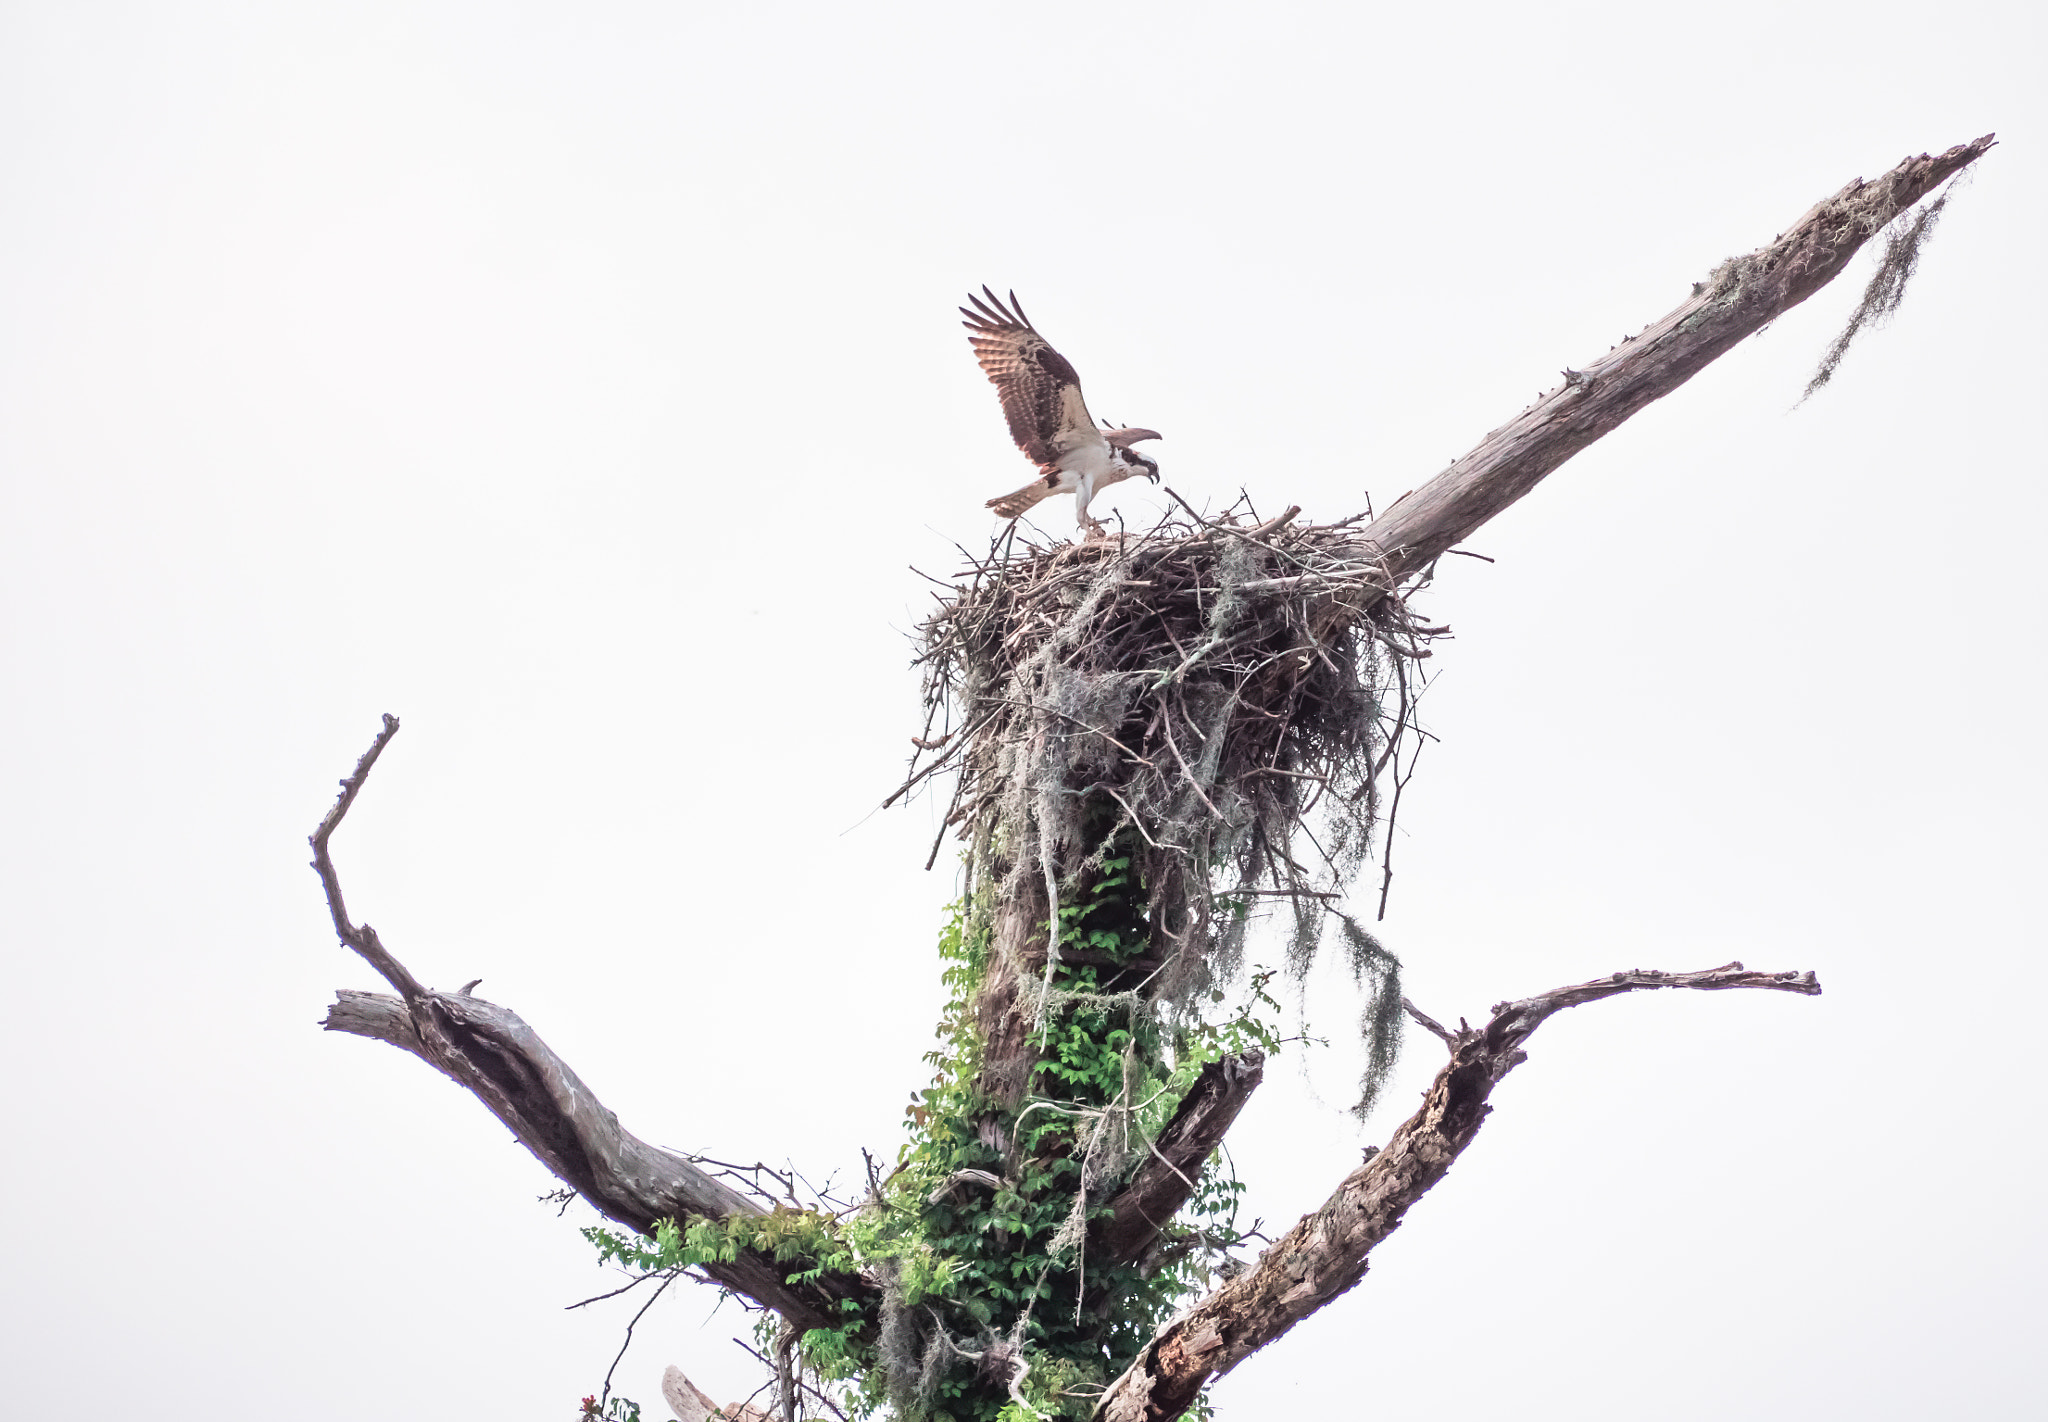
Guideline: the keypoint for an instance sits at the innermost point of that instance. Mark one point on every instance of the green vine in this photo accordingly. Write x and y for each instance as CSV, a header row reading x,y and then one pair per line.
x,y
980,1233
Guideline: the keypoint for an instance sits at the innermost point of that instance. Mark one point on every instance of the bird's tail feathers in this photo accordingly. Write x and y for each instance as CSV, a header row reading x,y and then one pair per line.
x,y
1012,504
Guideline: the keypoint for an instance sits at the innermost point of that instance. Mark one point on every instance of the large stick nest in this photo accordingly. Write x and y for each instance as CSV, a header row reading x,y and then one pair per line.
x,y
1227,692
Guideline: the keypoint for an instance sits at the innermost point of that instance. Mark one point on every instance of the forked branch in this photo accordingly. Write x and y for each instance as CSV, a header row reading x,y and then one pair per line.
x,y
501,1061
1325,1254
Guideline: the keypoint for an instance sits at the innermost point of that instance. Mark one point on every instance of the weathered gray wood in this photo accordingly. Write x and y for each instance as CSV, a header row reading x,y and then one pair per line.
x,y
358,936
490,1051
499,1059
1325,1254
1738,300
689,1402
1163,1183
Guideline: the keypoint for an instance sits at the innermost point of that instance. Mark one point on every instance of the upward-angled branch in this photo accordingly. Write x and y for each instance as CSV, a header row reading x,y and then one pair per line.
x,y
1739,299
1165,1181
504,1064
359,936
1325,1254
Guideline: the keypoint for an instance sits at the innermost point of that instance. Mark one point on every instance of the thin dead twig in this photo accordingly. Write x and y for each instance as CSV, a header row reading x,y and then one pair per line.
x,y
360,937
606,1395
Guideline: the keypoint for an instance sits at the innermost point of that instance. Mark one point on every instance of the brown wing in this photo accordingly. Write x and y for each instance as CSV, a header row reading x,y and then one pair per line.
x,y
1040,392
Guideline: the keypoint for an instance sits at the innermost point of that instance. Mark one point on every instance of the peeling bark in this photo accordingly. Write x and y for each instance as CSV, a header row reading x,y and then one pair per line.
x,y
1325,1254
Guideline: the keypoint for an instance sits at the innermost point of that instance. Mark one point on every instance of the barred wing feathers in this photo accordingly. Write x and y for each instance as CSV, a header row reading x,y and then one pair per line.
x,y
1040,392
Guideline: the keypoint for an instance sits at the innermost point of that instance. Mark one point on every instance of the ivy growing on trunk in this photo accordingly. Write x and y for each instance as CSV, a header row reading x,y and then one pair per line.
x,y
991,1309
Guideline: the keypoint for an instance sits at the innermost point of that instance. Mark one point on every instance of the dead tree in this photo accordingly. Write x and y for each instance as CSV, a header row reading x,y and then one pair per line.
x,y
1148,738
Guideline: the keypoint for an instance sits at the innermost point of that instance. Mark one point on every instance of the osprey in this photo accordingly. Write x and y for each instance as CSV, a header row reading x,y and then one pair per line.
x,y
1041,398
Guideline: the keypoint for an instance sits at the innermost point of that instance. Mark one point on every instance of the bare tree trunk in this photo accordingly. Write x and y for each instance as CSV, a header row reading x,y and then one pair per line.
x,y
1002,1010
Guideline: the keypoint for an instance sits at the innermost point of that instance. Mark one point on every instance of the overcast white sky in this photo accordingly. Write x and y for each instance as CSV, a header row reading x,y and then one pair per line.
x,y
578,383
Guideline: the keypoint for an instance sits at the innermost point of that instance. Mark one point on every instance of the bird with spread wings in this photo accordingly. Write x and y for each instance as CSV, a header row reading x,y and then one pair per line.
x,y
1041,398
